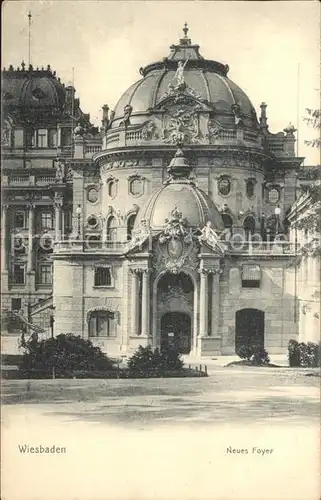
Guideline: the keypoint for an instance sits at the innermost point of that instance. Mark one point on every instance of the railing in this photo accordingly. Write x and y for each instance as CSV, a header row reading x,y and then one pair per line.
x,y
18,179
264,247
92,149
134,136
227,135
90,246
111,140
46,179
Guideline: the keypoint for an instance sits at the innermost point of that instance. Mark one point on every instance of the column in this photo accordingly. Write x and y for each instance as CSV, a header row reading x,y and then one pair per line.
x,y
4,249
134,301
145,303
203,303
58,210
30,238
215,304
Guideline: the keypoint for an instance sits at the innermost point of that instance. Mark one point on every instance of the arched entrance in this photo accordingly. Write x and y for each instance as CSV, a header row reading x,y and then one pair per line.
x,y
174,320
176,331
249,327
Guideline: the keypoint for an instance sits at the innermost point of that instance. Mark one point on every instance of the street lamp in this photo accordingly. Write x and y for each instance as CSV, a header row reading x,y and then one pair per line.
x,y
78,213
277,212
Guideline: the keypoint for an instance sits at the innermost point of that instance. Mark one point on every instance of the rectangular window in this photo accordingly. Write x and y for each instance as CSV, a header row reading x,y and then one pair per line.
x,y
18,138
46,220
42,138
15,304
19,274
250,284
52,138
103,276
45,274
102,324
19,219
251,276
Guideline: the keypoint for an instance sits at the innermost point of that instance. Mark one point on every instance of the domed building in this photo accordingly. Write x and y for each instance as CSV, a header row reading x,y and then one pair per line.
x,y
179,229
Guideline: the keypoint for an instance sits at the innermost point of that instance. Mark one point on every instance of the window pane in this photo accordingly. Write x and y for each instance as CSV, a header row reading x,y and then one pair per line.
x,y
52,138
42,138
46,220
274,195
112,189
19,220
102,276
45,274
15,304
19,274
249,189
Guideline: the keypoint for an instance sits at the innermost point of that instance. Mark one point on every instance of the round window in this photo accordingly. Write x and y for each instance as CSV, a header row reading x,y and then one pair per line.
x,y
92,195
92,221
224,186
274,195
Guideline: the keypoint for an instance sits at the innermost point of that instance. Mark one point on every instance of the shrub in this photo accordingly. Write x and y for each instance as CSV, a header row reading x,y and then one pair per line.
x,y
64,353
294,353
145,361
256,354
304,355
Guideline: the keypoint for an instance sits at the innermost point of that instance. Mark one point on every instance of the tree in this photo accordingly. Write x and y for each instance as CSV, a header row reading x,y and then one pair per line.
x,y
313,119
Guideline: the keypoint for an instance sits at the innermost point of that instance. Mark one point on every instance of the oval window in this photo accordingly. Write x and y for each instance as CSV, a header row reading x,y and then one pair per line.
x,y
224,186
92,221
136,187
274,195
92,195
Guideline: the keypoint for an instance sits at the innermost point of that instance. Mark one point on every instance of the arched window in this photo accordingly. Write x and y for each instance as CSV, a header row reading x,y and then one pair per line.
x,y
112,229
249,226
112,188
228,223
224,186
250,185
130,225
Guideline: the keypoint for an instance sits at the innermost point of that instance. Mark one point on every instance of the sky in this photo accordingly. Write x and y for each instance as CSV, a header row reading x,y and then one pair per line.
x,y
272,48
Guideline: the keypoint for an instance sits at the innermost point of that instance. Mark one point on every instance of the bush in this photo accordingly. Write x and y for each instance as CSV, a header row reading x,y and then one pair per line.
x,y
256,354
145,361
64,353
294,353
304,355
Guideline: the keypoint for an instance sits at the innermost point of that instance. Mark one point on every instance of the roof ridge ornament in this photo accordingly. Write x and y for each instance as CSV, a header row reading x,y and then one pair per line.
x,y
185,40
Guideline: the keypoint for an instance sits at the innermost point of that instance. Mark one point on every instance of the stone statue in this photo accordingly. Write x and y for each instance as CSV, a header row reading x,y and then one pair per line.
x,y
79,131
179,75
60,167
209,236
140,235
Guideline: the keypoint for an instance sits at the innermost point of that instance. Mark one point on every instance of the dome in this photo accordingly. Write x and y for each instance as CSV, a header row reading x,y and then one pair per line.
x,y
179,193
31,88
207,79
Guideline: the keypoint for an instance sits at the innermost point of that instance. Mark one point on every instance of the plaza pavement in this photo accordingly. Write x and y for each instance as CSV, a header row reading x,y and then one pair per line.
x,y
164,439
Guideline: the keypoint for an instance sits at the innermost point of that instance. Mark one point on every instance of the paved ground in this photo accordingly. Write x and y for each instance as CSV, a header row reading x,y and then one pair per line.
x,y
165,438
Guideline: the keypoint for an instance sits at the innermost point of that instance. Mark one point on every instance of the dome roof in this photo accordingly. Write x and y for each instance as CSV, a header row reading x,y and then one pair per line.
x,y
31,88
179,193
208,80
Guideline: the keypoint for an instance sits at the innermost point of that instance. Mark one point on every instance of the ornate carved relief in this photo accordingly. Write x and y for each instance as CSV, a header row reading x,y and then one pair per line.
x,y
181,125
149,131
213,130
176,246
123,164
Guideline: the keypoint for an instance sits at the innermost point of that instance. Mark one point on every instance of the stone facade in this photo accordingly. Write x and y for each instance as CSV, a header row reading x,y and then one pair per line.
x,y
169,225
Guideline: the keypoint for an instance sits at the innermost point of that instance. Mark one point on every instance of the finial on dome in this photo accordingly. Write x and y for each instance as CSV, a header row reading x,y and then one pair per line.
x,y
185,30
179,168
23,65
185,40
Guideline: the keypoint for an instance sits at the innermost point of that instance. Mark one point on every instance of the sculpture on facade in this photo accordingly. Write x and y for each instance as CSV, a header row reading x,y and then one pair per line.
x,y
179,75
60,170
209,236
140,235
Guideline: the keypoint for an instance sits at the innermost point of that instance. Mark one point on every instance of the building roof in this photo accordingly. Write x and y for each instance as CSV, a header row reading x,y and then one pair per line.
x,y
207,79
181,193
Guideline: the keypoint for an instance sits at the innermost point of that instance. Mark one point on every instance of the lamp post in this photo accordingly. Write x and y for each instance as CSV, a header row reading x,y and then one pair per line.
x,y
78,213
277,212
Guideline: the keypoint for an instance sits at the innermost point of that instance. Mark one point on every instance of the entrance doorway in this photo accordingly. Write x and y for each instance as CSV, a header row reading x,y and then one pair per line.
x,y
176,331
249,327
